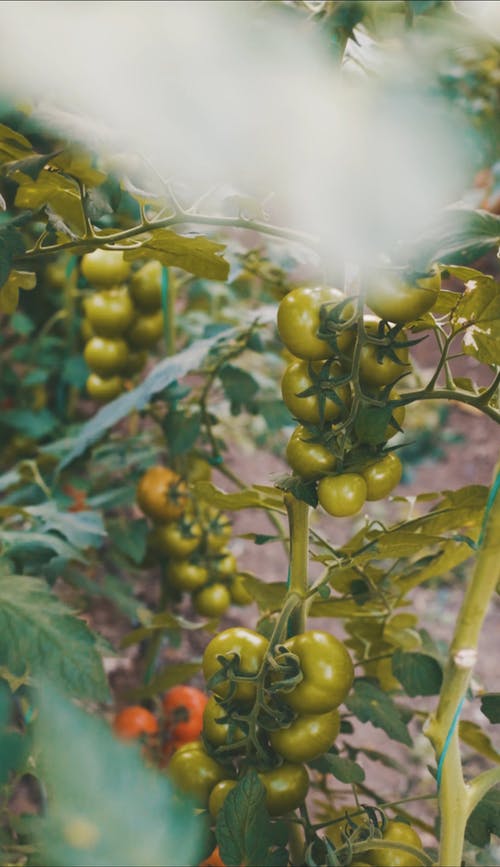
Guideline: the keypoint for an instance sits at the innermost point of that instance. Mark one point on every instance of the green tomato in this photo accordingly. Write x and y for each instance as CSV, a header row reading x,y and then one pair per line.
x,y
145,286
105,267
216,733
395,300
251,649
225,566
327,672
146,331
286,788
186,576
212,601
297,378
102,389
239,592
342,496
396,832
307,737
136,361
382,476
177,539
110,312
195,773
106,356
217,532
218,795
86,330
299,322
378,371
308,459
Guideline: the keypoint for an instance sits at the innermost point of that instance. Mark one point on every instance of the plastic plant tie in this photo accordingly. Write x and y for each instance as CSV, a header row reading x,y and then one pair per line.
x,y
489,503
164,302
448,740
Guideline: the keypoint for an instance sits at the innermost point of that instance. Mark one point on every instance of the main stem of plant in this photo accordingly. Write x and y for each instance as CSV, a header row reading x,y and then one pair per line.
x,y
298,582
457,798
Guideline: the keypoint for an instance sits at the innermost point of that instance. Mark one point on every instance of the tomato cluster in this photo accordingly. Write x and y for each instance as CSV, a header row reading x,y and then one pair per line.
x,y
123,319
328,448
393,832
254,717
191,540
179,721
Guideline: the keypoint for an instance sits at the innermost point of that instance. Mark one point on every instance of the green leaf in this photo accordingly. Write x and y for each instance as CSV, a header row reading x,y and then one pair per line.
x,y
195,254
479,310
30,166
75,371
12,743
418,673
35,424
163,374
12,244
39,631
23,325
258,496
472,735
182,431
239,386
344,770
19,540
13,145
243,829
106,806
130,538
369,704
55,190
490,706
484,820
82,529
269,596
460,235
170,676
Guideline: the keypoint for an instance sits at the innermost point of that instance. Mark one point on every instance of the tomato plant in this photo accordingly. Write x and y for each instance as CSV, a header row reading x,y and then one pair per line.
x,y
238,379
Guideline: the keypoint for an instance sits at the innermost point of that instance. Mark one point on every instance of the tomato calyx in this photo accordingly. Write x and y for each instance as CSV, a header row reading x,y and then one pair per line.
x,y
333,323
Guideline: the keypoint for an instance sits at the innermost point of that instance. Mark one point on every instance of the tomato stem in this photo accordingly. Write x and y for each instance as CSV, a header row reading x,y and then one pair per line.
x,y
298,582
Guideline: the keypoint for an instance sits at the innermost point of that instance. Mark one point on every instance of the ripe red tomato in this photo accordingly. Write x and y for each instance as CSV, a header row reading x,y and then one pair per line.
x,y
183,707
134,722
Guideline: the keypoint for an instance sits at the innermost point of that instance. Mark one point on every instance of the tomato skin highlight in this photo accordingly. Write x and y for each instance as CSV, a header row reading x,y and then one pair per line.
x,y
218,795
308,737
135,721
106,356
307,459
109,312
212,600
251,648
286,788
382,476
342,496
103,389
299,322
105,267
327,670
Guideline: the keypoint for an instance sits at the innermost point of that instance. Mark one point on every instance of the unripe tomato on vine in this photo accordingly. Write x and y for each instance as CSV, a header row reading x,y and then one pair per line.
x,y
106,356
104,389
162,494
307,458
342,496
110,312
248,646
105,267
319,406
299,322
382,476
395,832
286,788
193,772
327,671
400,300
145,286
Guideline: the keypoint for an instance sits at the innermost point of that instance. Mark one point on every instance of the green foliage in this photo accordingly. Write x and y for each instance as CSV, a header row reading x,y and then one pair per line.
x,y
490,706
13,746
370,704
343,769
39,632
419,673
105,806
244,831
198,254
484,819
